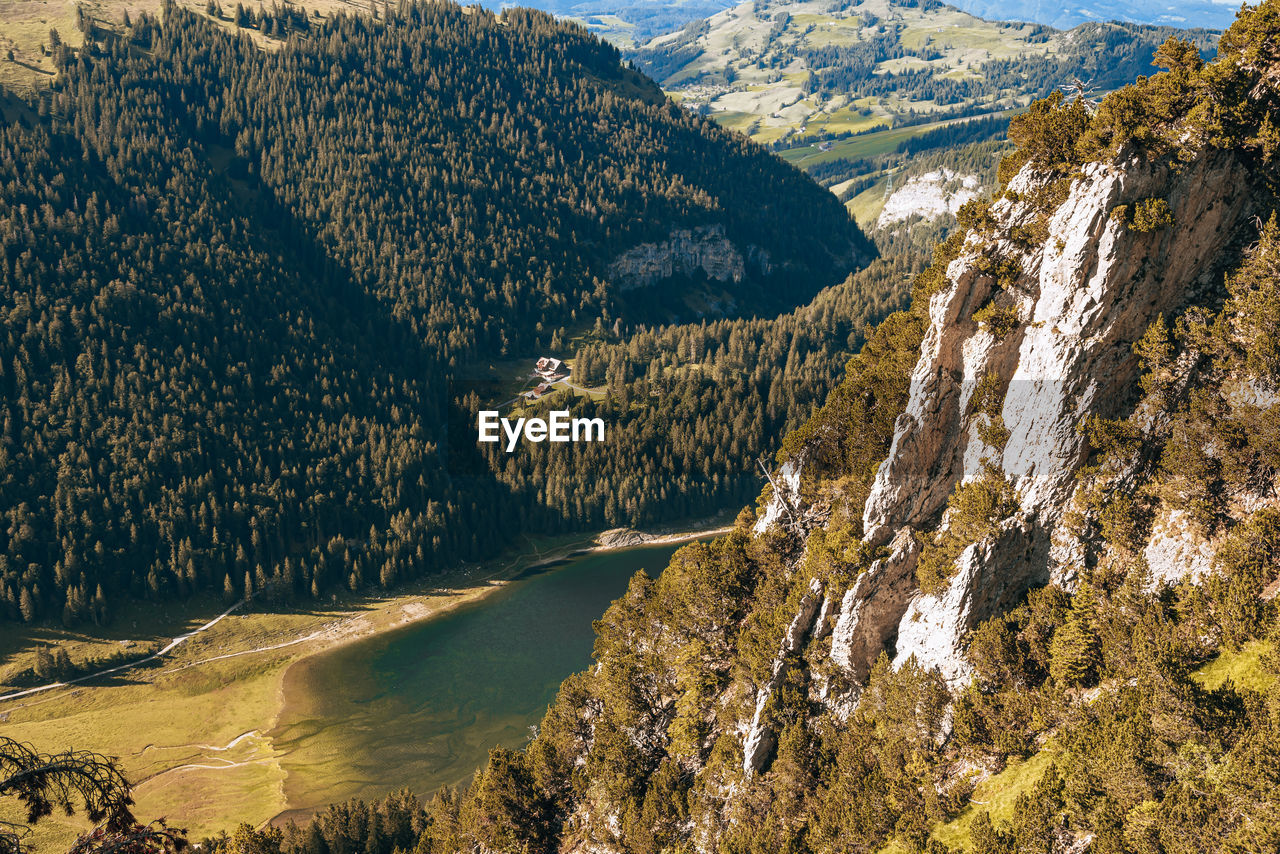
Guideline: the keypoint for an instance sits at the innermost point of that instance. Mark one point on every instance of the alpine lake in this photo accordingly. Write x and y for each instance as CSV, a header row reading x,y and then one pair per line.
x,y
420,707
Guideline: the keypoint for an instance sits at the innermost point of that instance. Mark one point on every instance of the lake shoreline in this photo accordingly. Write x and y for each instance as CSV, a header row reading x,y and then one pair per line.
x,y
296,694
512,570
214,769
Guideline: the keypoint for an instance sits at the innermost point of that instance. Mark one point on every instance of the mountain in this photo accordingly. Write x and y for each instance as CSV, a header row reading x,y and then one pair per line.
x,y
1012,588
796,75
243,289
1197,13
628,24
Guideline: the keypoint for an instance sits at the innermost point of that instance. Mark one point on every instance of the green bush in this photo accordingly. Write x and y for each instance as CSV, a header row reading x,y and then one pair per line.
x,y
973,512
1155,355
1074,653
1151,215
1251,317
997,319
1046,135
993,433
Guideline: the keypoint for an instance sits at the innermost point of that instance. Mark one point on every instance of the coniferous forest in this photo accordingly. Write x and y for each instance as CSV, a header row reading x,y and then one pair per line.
x,y
1012,587
239,283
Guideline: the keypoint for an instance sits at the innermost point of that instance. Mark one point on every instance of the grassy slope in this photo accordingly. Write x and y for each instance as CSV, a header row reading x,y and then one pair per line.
x,y
25,25
767,102
1243,667
193,734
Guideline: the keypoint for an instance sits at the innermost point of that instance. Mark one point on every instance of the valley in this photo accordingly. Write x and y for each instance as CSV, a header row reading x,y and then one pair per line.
x,y
236,725
791,74
956,335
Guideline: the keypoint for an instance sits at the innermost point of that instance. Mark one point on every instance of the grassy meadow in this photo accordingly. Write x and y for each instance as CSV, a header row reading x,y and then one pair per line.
x,y
192,730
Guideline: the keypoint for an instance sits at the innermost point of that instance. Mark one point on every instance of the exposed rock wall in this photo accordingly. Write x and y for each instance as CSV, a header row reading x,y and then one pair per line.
x,y
685,252
930,196
1082,300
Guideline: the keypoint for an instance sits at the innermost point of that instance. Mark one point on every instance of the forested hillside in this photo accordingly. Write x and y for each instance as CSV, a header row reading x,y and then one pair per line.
x,y
239,282
988,607
693,408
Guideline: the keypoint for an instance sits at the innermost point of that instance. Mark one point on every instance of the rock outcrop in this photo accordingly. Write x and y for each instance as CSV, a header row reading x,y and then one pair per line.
x,y
685,252
1081,300
929,196
785,500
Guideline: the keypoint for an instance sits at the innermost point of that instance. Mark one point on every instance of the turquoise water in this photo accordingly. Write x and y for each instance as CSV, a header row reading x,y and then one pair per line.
x,y
422,706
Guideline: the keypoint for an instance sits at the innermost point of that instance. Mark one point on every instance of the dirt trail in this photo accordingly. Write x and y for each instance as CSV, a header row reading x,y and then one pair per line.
x,y
170,646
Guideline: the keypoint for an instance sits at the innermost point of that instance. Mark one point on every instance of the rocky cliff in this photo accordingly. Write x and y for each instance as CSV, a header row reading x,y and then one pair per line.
x,y
1076,306
1073,304
704,250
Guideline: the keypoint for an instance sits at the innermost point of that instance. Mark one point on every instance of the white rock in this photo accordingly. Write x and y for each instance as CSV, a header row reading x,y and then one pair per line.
x,y
1175,551
1085,297
930,196
789,479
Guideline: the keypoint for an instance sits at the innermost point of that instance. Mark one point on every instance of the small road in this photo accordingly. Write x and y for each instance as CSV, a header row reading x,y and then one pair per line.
x,y
169,647
568,384
556,384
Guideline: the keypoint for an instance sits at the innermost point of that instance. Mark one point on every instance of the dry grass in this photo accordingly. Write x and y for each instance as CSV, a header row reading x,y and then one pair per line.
x,y
25,25
192,731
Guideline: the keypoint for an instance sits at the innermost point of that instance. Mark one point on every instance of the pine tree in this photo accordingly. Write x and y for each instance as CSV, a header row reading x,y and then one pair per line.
x,y
44,666
1073,652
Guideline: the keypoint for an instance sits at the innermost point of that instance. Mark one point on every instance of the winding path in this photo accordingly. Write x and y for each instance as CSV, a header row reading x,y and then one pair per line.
x,y
171,645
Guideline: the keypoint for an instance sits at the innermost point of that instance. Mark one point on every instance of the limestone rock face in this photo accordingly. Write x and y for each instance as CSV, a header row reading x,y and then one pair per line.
x,y
930,196
873,606
934,625
1082,299
1175,551
685,252
785,499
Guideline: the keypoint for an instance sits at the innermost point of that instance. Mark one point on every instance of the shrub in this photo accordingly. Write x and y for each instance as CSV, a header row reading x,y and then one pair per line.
x,y
973,512
993,433
1046,135
1155,354
975,215
1122,523
1246,562
1151,215
1111,437
986,395
1251,317
997,319
1074,652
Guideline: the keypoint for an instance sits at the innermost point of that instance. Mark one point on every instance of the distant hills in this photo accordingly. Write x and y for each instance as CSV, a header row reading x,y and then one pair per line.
x,y
631,23
802,73
626,23
1182,13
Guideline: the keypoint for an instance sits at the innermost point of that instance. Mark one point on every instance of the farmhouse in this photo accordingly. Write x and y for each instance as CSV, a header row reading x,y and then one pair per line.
x,y
537,392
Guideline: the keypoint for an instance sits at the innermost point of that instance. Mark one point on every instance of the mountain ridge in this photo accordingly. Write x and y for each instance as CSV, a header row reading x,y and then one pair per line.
x,y
327,297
